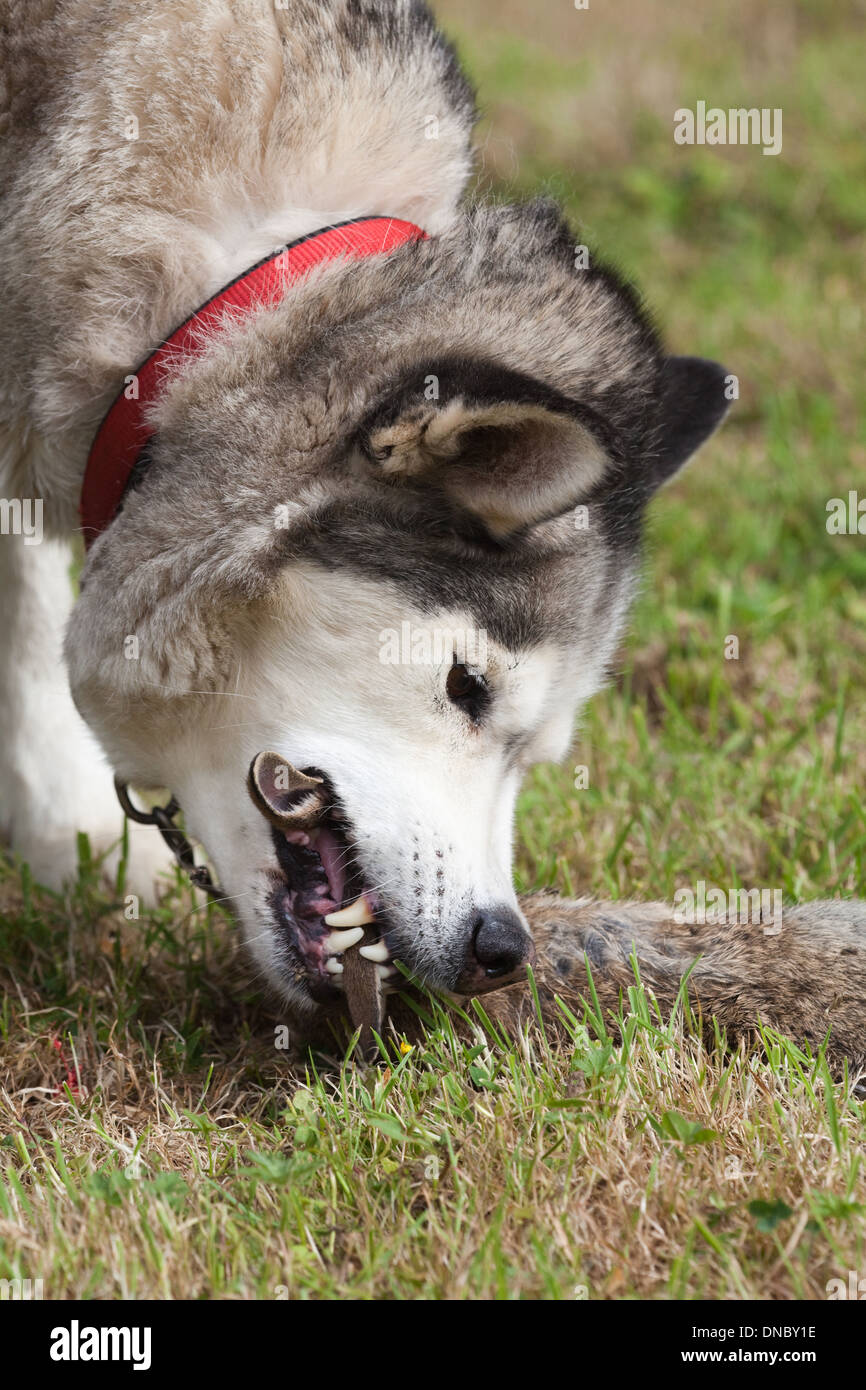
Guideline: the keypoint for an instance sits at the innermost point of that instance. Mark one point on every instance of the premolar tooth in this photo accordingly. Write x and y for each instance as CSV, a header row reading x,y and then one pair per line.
x,y
377,951
338,941
334,967
357,914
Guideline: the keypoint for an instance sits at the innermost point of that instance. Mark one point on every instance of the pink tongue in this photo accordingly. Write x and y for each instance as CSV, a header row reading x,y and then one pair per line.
x,y
332,853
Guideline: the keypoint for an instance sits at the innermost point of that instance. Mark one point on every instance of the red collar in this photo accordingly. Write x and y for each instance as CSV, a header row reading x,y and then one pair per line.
x,y
125,431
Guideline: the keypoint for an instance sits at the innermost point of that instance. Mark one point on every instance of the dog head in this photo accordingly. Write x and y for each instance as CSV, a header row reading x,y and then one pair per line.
x,y
390,532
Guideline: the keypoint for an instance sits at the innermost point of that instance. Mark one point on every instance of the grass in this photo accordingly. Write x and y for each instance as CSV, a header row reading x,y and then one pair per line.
x,y
192,1158
192,1161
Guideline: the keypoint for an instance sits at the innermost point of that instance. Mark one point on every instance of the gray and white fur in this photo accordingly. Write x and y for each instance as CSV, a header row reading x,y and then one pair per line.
x,y
402,440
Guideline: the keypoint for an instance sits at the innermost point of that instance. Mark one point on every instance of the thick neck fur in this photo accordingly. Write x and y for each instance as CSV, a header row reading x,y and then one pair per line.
x,y
176,146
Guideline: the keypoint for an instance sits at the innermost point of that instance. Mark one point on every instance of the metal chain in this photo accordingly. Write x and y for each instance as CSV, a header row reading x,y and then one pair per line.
x,y
163,818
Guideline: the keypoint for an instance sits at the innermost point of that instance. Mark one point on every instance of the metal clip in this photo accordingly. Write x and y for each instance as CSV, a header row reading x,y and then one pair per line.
x,y
163,818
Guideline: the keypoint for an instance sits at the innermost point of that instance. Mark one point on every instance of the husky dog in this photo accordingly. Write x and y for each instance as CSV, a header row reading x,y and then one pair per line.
x,y
457,436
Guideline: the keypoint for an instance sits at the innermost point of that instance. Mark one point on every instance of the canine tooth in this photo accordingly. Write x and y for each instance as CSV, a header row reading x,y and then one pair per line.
x,y
334,967
377,952
357,914
338,941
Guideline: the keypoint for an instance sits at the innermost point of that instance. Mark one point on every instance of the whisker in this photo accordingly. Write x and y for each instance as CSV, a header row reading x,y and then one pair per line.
x,y
234,694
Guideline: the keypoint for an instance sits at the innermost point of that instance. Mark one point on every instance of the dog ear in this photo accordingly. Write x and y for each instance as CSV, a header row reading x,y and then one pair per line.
x,y
692,403
497,443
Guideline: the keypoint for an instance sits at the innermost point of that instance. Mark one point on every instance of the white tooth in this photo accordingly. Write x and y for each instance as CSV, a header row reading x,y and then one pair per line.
x,y
357,914
385,972
338,941
378,952
334,967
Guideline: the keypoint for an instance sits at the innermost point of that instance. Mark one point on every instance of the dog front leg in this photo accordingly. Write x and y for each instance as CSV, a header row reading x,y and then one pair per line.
x,y
54,778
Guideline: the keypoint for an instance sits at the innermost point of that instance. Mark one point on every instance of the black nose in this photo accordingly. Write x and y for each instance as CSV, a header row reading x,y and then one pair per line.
x,y
498,947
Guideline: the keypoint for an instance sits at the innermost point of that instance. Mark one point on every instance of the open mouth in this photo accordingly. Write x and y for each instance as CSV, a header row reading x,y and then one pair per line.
x,y
318,877
323,908
319,890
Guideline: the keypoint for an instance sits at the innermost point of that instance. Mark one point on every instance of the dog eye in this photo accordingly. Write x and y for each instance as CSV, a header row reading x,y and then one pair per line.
x,y
467,690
